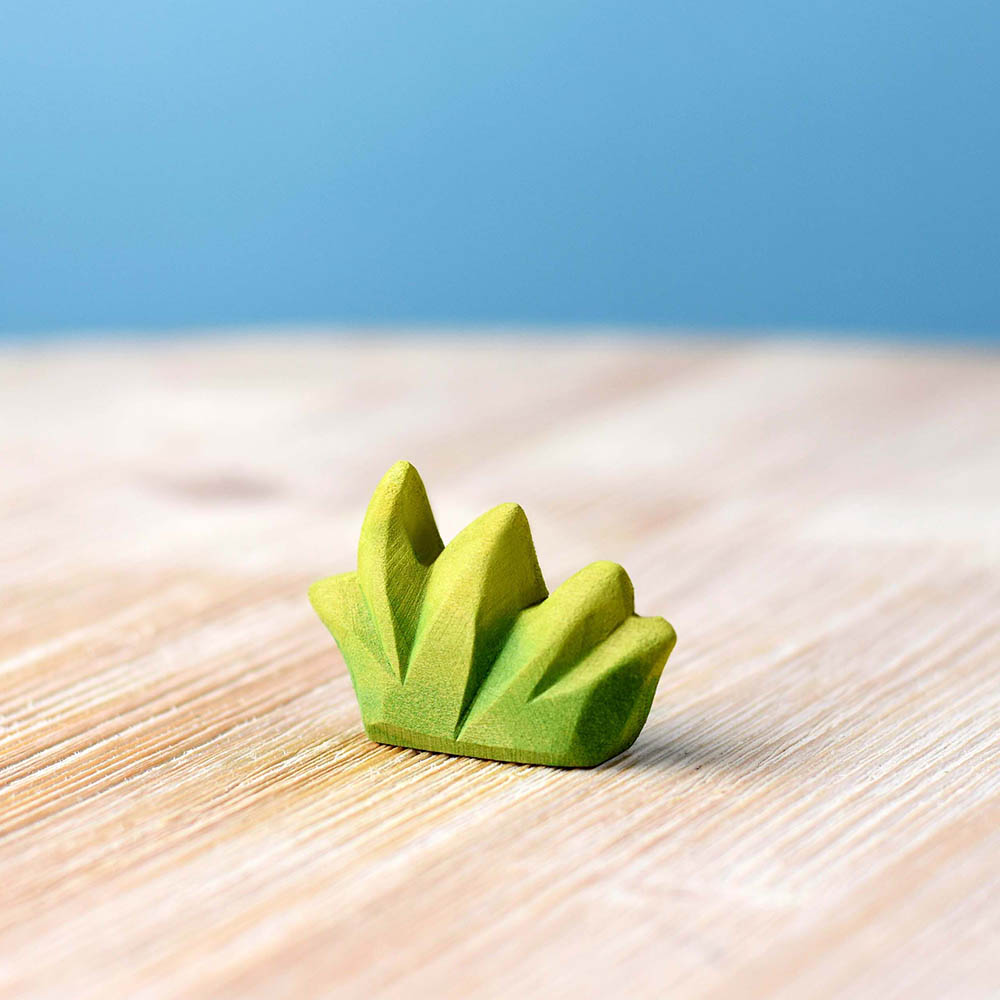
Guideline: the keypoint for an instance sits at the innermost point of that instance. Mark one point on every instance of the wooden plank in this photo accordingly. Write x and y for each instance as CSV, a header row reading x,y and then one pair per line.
x,y
188,804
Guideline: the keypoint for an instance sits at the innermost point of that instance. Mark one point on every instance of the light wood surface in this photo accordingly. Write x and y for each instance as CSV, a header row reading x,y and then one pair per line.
x,y
188,804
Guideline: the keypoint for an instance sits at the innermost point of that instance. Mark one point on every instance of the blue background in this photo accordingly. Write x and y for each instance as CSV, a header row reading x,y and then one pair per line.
x,y
831,165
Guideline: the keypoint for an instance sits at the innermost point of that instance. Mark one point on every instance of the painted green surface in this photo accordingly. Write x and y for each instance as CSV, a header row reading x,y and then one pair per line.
x,y
461,649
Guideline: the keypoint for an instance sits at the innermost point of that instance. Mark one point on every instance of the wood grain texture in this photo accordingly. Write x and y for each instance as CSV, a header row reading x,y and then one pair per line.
x,y
188,804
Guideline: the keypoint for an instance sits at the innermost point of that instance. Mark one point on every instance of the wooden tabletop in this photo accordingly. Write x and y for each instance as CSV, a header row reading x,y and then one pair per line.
x,y
189,806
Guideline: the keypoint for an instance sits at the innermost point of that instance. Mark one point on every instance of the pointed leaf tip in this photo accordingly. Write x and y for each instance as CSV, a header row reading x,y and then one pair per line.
x,y
399,541
486,576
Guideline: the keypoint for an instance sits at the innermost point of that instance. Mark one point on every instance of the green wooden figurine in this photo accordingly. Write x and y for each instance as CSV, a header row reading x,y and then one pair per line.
x,y
461,649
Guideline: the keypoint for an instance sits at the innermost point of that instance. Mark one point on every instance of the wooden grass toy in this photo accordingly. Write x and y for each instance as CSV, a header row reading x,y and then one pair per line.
x,y
462,650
